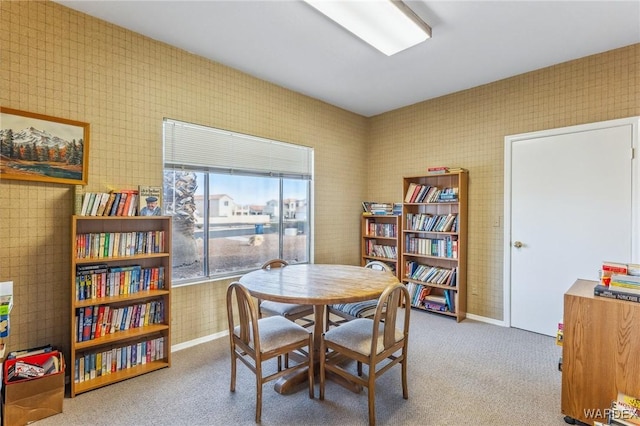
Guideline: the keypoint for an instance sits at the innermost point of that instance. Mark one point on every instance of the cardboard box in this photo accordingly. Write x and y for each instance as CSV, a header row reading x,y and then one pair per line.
x,y
26,401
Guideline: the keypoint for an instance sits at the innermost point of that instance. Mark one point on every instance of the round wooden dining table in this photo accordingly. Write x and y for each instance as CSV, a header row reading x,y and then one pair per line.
x,y
318,285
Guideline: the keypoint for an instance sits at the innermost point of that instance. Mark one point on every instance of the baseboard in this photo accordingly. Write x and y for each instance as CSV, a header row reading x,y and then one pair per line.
x,y
485,319
204,339
198,341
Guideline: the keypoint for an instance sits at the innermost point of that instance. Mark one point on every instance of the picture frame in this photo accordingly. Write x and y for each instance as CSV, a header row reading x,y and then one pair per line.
x,y
37,147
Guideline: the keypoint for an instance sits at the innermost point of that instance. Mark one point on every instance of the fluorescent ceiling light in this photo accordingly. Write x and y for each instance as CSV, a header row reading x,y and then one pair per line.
x,y
388,25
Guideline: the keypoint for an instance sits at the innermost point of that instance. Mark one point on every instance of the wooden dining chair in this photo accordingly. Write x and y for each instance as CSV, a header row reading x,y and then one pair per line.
x,y
290,311
376,342
256,340
351,311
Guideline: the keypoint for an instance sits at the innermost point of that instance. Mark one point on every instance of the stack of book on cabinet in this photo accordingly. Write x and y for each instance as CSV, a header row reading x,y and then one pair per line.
x,y
625,411
619,281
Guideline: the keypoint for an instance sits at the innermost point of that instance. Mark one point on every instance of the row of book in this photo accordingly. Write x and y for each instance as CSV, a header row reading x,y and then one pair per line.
x,y
98,245
440,170
421,296
89,366
619,281
99,280
419,193
375,208
24,368
122,203
624,411
439,247
432,223
431,274
377,229
96,321
381,250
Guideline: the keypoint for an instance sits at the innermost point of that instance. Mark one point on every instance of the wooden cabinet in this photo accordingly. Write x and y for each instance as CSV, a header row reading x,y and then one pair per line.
x,y
380,240
601,343
120,298
434,242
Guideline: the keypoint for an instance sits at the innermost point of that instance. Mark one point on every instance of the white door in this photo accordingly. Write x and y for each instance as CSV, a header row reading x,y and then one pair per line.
x,y
570,209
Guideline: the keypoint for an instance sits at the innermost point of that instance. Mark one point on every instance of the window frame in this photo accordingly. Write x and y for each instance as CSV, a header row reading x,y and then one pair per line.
x,y
300,172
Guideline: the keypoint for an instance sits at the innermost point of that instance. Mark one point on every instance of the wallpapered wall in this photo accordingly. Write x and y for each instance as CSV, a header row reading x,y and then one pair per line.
x,y
59,62
467,129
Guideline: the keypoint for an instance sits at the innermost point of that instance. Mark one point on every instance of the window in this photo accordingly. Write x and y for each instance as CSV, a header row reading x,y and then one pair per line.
x,y
234,209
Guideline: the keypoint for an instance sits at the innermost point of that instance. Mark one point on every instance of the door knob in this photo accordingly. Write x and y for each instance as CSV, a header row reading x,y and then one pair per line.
x,y
517,244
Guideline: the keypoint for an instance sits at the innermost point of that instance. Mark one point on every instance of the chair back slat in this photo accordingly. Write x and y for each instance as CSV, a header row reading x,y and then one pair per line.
x,y
239,296
274,263
386,315
378,266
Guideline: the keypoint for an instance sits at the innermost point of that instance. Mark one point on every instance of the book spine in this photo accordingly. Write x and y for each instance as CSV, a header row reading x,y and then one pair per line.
x,y
602,291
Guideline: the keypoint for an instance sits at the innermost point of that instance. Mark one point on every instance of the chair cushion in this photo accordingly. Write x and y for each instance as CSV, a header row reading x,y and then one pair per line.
x,y
366,309
356,335
284,309
276,332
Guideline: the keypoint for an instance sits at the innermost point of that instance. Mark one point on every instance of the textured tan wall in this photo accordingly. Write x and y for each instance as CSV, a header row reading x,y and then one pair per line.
x,y
61,63
467,129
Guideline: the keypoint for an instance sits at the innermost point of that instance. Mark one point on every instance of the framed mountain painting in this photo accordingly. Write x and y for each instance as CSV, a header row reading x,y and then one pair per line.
x,y
38,147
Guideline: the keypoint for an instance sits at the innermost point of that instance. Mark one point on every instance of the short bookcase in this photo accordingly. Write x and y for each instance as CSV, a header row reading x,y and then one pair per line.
x,y
380,235
118,352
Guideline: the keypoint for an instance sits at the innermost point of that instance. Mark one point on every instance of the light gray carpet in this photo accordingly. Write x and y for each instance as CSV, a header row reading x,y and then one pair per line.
x,y
467,373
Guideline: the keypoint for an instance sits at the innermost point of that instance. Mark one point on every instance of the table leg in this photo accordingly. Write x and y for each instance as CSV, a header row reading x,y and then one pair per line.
x,y
289,384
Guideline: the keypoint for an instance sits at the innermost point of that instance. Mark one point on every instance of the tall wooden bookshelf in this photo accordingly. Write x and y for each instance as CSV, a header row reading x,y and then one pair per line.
x,y
434,242
380,236
119,265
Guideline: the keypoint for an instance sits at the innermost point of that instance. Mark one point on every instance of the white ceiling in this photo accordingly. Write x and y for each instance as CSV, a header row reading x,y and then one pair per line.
x,y
290,44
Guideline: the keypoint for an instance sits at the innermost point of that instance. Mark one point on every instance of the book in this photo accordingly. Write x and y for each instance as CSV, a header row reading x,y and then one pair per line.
x,y
116,203
29,352
6,304
88,319
133,207
104,198
97,326
123,201
78,199
604,291
628,408
610,268
410,190
92,199
438,170
85,203
628,279
109,206
96,204
624,287
150,200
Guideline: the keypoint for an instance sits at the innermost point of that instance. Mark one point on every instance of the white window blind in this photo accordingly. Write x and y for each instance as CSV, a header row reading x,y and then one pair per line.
x,y
187,144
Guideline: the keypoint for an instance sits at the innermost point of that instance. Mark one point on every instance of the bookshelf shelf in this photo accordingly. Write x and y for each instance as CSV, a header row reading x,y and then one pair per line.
x,y
433,242
120,376
106,348
119,259
380,236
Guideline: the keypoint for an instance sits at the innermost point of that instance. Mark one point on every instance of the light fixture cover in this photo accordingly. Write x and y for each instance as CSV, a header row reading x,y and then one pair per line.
x,y
388,25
